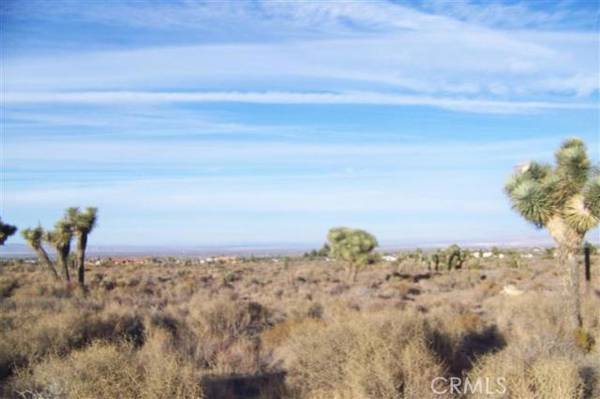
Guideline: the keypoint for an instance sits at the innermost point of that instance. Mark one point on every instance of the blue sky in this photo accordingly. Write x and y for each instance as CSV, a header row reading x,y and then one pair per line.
x,y
217,123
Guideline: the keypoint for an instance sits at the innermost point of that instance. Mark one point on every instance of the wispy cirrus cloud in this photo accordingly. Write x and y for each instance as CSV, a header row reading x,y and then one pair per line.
x,y
410,53
365,98
429,62
551,15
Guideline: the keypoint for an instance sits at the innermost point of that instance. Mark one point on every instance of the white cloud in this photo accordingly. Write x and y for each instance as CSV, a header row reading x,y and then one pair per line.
x,y
493,65
157,195
368,98
411,51
122,151
330,17
555,14
130,120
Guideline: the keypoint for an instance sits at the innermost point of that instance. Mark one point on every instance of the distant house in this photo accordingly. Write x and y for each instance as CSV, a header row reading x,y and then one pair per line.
x,y
389,258
219,259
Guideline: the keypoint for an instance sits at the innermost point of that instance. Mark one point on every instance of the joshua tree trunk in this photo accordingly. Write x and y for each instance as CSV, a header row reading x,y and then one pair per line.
x,y
569,244
81,245
63,258
41,253
587,263
573,295
452,264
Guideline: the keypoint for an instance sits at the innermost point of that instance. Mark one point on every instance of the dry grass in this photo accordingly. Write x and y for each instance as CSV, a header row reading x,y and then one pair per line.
x,y
166,329
359,355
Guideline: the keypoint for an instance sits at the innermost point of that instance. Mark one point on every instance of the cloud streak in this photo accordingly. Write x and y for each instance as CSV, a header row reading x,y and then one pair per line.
x,y
275,97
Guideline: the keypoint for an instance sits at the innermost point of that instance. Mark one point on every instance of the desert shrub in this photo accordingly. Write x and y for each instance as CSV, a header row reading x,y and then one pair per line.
x,y
229,334
584,340
178,335
231,319
545,376
7,286
315,311
383,355
40,333
166,374
113,370
518,316
102,370
280,332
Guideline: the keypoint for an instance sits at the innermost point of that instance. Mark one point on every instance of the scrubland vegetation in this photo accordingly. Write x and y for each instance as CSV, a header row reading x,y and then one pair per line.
x,y
183,329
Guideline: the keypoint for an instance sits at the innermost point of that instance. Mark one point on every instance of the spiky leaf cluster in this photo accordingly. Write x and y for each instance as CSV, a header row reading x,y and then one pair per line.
x,y
34,236
352,245
83,222
6,230
569,191
62,234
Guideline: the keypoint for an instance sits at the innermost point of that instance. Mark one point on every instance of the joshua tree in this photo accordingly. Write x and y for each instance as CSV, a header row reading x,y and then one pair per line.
x,y
34,237
434,259
419,257
82,224
61,238
564,199
6,230
353,246
456,257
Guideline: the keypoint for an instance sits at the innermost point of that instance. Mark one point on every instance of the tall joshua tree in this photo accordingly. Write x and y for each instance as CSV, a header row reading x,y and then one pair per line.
x,y
6,230
564,199
34,238
60,238
82,222
353,246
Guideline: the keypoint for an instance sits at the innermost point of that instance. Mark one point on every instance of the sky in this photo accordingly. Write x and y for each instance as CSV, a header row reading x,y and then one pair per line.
x,y
199,123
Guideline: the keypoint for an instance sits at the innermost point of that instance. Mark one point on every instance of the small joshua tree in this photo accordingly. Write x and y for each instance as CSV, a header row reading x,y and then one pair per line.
x,y
6,230
352,246
564,199
60,238
34,238
433,260
419,257
456,257
82,224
